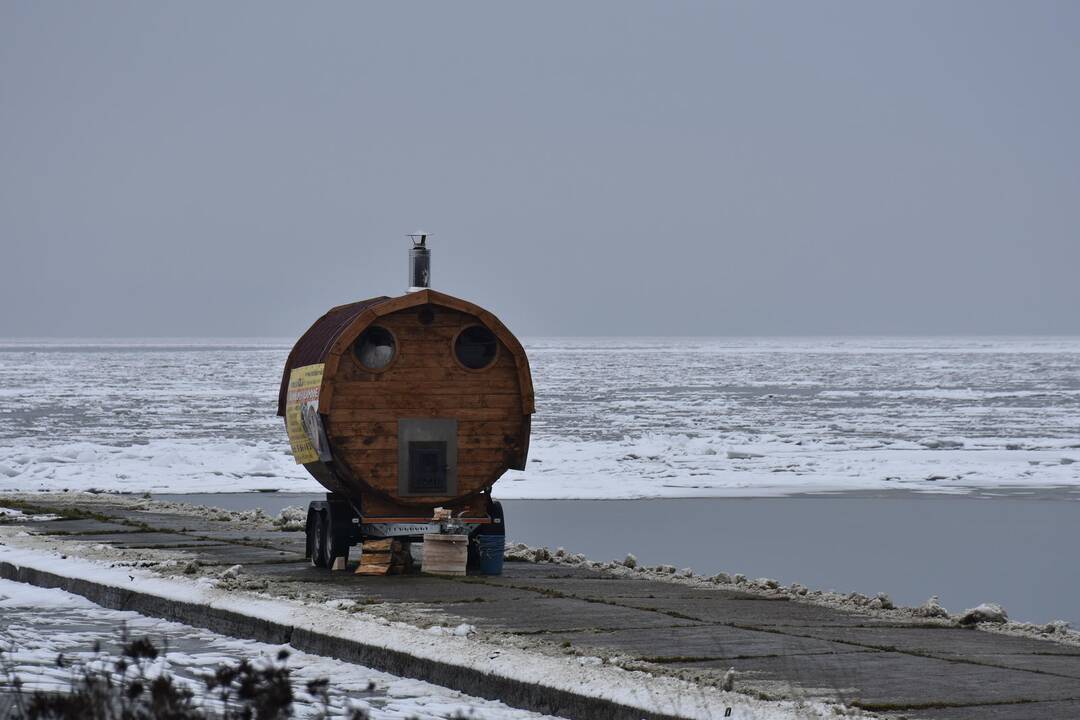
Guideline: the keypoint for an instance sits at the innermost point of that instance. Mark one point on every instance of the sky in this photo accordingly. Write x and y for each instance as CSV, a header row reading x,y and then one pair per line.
x,y
598,168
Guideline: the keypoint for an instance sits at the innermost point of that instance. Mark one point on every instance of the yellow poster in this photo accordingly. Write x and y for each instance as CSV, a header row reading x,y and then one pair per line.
x,y
306,433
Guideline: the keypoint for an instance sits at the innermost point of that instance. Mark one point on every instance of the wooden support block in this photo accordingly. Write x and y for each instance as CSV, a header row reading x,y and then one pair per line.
x,y
372,569
383,545
445,554
386,556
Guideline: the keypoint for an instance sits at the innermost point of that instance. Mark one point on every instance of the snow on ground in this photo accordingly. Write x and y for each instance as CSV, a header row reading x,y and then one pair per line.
x,y
156,466
616,417
10,515
591,676
31,640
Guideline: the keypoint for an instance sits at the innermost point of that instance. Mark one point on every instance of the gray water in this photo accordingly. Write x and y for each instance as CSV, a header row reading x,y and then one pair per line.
x,y
1017,549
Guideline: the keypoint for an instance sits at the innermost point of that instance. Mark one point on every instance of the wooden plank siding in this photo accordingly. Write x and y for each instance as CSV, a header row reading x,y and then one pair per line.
x,y
425,380
440,302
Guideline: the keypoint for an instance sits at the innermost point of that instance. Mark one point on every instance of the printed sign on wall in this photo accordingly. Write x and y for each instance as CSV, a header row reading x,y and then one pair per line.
x,y
306,433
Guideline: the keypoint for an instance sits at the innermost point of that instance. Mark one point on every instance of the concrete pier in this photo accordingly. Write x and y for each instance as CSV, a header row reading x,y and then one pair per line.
x,y
780,648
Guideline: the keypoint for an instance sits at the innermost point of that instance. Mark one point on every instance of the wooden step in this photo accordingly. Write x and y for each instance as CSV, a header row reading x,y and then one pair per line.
x,y
373,570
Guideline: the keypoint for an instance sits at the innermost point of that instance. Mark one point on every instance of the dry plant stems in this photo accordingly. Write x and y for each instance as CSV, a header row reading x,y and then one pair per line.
x,y
128,689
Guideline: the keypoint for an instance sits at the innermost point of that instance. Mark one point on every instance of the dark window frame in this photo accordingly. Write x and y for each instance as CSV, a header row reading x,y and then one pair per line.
x,y
454,347
355,349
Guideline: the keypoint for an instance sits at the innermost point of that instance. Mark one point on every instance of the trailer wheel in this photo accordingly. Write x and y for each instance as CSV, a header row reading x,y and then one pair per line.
x,y
337,534
320,541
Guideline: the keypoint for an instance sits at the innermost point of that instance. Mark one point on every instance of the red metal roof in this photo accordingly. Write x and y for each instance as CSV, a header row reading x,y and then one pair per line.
x,y
314,344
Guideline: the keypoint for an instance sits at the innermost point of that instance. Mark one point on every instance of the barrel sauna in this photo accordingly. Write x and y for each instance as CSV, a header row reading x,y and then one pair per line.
x,y
398,405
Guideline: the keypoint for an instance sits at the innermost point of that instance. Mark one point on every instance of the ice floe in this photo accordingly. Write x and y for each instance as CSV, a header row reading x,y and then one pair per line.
x,y
616,417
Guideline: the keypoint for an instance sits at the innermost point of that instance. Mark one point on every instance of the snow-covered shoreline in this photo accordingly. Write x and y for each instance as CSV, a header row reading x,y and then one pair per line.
x,y
987,616
877,605
426,632
635,688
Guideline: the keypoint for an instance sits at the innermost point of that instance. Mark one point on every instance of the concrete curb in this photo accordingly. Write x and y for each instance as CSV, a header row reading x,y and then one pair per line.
x,y
516,693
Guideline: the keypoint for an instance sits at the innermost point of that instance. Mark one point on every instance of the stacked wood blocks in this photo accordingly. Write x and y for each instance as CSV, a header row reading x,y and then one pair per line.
x,y
384,557
445,554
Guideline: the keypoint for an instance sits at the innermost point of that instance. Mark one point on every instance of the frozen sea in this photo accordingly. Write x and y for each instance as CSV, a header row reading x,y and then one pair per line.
x,y
906,465
616,417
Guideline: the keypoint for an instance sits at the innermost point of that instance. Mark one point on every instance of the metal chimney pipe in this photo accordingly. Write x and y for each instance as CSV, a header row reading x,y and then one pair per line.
x,y
419,262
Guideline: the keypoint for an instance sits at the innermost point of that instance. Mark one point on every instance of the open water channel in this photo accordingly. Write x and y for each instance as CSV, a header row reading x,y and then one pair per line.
x,y
1018,549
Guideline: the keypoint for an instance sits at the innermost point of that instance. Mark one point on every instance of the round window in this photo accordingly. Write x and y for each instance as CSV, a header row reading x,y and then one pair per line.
x,y
375,348
476,347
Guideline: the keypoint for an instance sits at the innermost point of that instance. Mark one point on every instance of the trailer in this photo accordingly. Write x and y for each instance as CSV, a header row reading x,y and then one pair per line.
x,y
401,405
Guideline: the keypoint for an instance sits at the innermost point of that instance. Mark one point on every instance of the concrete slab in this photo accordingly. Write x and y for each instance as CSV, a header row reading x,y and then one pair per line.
x,y
435,591
549,615
936,640
701,642
1053,664
78,525
228,554
205,527
426,589
1021,711
177,522
300,571
749,612
608,587
893,681
280,541
143,540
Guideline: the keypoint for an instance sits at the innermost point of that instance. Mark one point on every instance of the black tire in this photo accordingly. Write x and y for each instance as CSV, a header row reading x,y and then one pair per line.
x,y
309,535
337,544
320,541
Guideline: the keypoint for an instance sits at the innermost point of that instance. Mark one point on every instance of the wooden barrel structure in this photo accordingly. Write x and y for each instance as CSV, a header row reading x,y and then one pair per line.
x,y
399,405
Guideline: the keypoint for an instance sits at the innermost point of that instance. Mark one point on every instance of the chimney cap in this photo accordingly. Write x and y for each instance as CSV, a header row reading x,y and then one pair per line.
x,y
423,236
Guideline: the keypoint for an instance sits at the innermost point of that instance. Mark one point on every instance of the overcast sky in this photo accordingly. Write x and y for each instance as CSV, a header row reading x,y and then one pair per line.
x,y
208,169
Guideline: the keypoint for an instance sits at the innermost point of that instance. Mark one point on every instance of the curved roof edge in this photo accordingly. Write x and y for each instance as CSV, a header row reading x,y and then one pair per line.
x,y
315,343
327,339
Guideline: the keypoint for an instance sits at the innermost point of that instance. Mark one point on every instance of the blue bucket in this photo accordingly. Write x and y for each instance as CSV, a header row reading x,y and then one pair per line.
x,y
490,550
